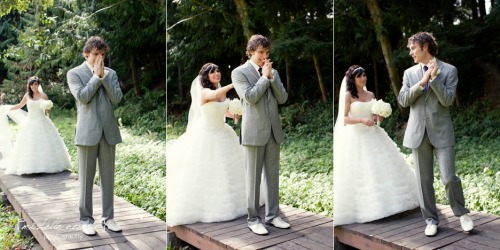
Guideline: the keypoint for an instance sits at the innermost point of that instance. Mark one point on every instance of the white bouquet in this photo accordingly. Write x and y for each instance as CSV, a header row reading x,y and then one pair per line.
x,y
381,108
235,108
46,104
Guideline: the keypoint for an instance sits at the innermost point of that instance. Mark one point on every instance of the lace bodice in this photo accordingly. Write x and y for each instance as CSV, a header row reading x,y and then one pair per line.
x,y
361,109
34,110
212,113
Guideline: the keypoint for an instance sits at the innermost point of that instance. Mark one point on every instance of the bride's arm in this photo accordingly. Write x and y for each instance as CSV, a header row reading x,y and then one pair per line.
x,y
22,103
208,95
353,120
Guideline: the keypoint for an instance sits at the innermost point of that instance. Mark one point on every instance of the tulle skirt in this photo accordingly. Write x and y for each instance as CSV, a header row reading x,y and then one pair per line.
x,y
372,179
205,176
38,149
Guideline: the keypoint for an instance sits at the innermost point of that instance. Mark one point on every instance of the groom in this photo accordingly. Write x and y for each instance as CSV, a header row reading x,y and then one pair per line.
x,y
429,89
96,91
260,88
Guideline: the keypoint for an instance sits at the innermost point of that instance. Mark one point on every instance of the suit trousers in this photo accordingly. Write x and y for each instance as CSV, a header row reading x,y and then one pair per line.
x,y
423,157
257,159
87,158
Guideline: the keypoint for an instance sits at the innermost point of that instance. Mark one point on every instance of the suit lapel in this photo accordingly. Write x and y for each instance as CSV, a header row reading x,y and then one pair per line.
x,y
250,70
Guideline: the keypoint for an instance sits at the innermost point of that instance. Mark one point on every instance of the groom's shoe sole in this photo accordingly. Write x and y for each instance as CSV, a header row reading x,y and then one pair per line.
x,y
271,224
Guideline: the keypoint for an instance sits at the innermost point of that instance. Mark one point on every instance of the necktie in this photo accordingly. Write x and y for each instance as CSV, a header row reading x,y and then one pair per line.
x,y
260,71
427,83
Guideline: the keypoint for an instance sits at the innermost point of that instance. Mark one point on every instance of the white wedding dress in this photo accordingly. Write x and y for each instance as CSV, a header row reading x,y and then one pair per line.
x,y
372,179
205,171
38,147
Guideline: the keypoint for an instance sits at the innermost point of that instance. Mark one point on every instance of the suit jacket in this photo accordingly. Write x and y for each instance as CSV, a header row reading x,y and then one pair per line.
x,y
260,97
429,110
95,99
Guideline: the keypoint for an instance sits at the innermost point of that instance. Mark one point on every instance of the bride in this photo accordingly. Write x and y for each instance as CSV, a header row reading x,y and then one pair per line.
x,y
205,168
372,180
38,147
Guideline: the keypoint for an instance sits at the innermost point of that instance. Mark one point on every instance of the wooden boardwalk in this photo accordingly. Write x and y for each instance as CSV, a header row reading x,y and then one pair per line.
x,y
49,205
308,231
406,231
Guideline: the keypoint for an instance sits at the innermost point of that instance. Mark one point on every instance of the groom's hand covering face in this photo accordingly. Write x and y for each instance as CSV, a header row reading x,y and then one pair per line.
x,y
96,59
261,57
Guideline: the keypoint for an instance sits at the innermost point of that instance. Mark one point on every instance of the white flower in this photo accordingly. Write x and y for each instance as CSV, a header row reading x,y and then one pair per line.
x,y
46,104
382,108
235,107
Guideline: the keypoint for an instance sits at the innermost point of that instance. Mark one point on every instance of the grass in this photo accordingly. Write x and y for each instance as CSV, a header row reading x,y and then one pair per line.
x,y
306,166
139,175
8,220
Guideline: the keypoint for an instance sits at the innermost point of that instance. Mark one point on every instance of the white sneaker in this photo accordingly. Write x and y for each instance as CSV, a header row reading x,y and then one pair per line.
x,y
466,222
279,223
431,230
111,225
258,229
88,229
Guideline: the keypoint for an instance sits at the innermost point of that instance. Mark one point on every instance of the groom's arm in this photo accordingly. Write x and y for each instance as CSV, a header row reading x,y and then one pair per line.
x,y
82,92
278,88
445,88
251,93
408,93
112,87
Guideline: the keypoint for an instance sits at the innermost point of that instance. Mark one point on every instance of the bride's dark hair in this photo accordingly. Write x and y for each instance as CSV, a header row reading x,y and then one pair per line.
x,y
353,72
204,72
31,81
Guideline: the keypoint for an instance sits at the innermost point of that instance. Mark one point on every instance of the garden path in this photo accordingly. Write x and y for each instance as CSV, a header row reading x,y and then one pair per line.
x,y
49,205
406,231
308,231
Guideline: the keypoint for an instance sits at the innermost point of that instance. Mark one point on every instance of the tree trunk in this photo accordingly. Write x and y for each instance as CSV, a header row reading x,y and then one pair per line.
x,y
473,7
135,83
288,77
386,47
320,79
482,8
241,8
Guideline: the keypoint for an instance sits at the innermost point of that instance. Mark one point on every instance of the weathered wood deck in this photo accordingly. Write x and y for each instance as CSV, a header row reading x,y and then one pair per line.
x,y
406,231
49,205
308,231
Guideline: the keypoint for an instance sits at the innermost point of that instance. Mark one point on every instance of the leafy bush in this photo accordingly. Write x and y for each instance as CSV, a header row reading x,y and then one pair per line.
x,y
145,115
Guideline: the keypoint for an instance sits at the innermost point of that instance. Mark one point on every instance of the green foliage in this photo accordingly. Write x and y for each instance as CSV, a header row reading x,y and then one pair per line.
x,y
464,41
145,114
140,172
8,239
308,191
21,5
212,31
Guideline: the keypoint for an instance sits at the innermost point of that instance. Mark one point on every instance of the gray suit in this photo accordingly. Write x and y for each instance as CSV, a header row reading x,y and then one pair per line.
x,y
261,134
96,136
430,130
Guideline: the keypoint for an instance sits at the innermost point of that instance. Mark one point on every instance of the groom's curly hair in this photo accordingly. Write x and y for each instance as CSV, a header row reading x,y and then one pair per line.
x,y
204,72
257,41
353,72
423,38
95,42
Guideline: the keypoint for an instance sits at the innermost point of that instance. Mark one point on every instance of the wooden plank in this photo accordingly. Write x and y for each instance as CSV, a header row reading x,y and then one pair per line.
x,y
49,205
310,244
